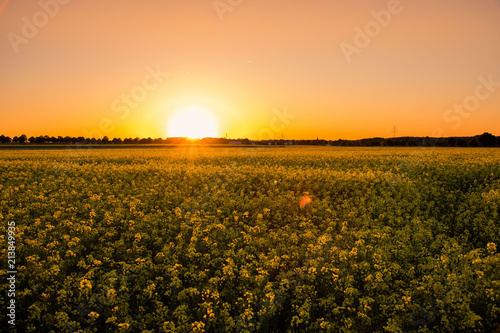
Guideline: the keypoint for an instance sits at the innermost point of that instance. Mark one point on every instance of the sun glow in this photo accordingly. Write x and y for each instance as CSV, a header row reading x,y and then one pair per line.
x,y
192,122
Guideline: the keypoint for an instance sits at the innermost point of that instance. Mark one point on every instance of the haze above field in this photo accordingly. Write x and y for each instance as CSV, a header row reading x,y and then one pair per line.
x,y
256,69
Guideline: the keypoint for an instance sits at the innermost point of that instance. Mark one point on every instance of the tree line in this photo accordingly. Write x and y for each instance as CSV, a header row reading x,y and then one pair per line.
x,y
45,139
483,140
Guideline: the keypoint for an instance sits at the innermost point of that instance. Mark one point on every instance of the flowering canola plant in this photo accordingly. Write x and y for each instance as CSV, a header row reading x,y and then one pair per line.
x,y
248,240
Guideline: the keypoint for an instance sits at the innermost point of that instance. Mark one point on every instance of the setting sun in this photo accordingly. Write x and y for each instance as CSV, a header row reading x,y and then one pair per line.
x,y
192,122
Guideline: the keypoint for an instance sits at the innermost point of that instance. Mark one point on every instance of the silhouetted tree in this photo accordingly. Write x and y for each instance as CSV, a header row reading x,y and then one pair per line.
x,y
451,142
461,142
472,143
23,138
486,140
388,143
410,143
5,139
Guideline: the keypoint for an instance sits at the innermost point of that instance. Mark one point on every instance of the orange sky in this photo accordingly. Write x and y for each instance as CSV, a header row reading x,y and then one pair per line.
x,y
64,67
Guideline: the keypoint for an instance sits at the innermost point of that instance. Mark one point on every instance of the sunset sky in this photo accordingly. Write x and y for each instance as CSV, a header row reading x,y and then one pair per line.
x,y
319,68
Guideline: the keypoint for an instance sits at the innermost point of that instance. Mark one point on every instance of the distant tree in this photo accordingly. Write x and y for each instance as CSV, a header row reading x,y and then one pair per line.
x,y
428,142
116,141
23,138
4,139
105,140
461,142
472,143
388,143
486,140
451,142
441,142
420,142
410,143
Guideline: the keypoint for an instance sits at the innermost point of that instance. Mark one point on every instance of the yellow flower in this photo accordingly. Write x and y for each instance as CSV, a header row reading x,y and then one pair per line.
x,y
84,284
198,326
93,315
123,326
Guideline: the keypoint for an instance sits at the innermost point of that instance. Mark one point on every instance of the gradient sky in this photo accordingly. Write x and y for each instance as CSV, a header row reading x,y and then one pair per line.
x,y
264,55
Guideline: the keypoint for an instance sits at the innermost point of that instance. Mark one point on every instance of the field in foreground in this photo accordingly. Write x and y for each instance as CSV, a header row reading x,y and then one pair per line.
x,y
181,240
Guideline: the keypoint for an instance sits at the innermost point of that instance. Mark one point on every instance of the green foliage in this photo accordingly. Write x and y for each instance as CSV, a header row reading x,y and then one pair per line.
x,y
215,240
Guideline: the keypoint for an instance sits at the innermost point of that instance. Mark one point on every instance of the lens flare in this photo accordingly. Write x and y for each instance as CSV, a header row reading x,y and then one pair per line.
x,y
305,200
3,4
